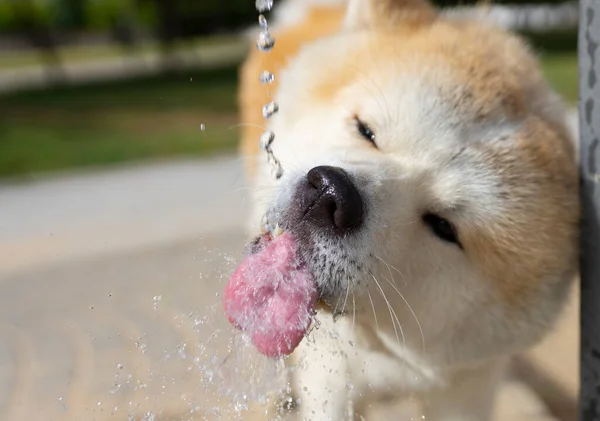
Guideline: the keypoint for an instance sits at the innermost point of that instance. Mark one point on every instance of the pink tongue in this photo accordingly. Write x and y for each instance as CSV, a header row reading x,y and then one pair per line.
x,y
271,296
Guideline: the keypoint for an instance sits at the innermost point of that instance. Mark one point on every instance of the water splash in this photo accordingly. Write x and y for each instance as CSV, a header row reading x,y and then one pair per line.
x,y
116,387
208,371
266,77
264,5
157,299
276,168
270,109
265,41
266,140
222,373
262,22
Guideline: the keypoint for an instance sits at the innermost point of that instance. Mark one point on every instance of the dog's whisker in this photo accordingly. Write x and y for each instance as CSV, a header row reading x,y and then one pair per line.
x,y
258,126
353,310
336,305
393,314
347,292
241,189
411,310
390,267
394,286
373,307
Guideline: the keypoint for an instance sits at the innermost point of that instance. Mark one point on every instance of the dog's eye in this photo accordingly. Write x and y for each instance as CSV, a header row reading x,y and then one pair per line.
x,y
364,130
441,227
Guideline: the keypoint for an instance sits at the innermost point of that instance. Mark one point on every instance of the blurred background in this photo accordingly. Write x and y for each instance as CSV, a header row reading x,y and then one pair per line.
x,y
147,73
121,199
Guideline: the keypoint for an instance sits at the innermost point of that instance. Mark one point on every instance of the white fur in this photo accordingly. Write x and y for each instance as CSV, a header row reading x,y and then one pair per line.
x,y
419,319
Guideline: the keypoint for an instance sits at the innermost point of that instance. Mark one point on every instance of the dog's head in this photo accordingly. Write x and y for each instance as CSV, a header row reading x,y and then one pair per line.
x,y
427,161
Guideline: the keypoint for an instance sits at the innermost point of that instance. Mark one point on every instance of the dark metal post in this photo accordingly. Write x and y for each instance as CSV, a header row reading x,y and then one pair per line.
x,y
589,123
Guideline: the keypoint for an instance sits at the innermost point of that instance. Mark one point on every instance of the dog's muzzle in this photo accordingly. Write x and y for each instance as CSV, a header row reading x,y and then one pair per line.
x,y
328,199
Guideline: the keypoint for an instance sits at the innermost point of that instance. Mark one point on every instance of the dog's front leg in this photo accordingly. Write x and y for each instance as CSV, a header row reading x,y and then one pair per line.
x,y
320,378
468,395
321,386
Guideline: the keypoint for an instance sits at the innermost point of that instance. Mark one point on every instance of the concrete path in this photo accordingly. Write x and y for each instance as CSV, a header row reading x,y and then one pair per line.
x,y
109,305
110,211
103,276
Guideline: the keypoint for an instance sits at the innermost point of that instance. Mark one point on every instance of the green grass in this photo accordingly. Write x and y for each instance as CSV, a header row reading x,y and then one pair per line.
x,y
152,117
208,90
117,122
561,71
73,148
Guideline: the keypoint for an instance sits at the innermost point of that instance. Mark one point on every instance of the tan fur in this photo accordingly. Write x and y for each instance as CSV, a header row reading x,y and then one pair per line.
x,y
516,261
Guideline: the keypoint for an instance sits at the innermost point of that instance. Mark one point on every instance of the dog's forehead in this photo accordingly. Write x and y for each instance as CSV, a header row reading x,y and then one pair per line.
x,y
415,112
409,85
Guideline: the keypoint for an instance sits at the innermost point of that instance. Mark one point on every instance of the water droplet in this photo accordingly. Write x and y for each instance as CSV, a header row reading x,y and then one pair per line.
x,y
60,398
99,403
270,109
277,171
119,366
263,5
202,127
266,77
91,307
109,294
265,41
266,139
191,79
115,388
262,22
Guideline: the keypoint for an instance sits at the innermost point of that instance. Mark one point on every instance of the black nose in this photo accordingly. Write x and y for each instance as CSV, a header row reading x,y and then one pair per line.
x,y
330,200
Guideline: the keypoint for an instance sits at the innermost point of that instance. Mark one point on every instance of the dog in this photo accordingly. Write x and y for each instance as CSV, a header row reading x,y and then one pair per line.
x,y
430,188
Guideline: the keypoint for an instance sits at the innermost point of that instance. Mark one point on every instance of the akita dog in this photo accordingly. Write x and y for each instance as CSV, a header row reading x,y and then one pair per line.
x,y
426,220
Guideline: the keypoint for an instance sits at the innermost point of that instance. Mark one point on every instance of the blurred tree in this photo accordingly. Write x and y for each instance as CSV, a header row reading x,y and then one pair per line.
x,y
102,14
35,18
194,17
71,14
168,31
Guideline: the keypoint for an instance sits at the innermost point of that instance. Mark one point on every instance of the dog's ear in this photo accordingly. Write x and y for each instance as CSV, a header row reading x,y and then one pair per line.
x,y
385,14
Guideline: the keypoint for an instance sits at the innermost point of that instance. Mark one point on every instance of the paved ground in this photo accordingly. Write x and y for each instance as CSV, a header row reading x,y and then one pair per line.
x,y
108,298
83,259
91,213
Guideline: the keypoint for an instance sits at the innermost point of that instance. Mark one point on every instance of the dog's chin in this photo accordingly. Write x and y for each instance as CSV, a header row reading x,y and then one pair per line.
x,y
337,268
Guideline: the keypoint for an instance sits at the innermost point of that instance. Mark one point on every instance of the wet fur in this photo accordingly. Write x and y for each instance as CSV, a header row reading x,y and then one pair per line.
x,y
467,127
